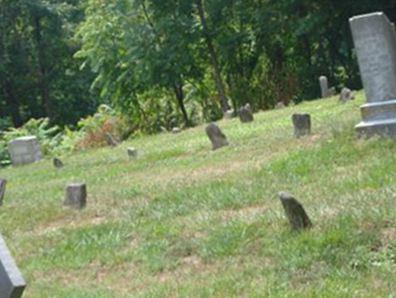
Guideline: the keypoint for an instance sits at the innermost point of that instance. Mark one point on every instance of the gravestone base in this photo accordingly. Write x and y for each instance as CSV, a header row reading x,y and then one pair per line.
x,y
379,118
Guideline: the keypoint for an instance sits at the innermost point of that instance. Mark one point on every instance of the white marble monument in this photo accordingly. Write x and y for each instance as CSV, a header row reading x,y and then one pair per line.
x,y
24,150
375,43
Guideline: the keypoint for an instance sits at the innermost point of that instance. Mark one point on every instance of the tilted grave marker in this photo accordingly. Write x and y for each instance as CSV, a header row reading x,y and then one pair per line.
x,y
12,283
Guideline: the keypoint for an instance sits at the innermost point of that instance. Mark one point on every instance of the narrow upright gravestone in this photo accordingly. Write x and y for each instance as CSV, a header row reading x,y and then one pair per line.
x,y
12,283
24,150
302,124
216,136
76,195
324,87
246,114
295,212
3,183
374,37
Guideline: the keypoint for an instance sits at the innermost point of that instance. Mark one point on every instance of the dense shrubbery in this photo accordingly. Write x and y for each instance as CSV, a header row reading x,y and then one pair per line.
x,y
90,133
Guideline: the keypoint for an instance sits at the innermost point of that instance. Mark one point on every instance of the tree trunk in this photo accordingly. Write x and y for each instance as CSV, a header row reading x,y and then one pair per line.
x,y
13,104
44,90
180,99
213,57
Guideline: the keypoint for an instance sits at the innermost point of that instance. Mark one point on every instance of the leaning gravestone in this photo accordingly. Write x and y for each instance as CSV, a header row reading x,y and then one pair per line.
x,y
295,212
302,124
12,283
76,195
3,183
24,150
57,163
216,136
246,114
374,37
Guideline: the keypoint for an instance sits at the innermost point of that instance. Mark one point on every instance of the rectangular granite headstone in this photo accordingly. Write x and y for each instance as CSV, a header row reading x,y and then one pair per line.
x,y
12,283
24,150
375,43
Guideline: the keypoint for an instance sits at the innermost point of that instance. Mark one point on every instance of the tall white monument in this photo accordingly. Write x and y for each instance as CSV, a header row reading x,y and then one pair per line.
x,y
374,37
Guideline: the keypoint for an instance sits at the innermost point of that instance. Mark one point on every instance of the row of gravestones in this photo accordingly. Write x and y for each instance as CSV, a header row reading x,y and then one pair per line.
x,y
301,123
345,95
375,43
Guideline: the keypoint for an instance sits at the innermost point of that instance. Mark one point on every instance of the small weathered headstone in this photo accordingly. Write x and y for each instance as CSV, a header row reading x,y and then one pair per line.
x,y
279,105
176,130
246,114
302,124
229,114
111,141
374,36
216,136
24,150
295,212
57,163
12,284
76,195
132,152
346,95
3,183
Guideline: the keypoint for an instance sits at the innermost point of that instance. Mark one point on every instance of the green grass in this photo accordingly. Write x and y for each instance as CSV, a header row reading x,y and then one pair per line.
x,y
184,221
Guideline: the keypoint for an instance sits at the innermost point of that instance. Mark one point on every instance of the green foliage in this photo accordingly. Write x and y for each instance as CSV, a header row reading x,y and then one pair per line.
x,y
48,136
184,220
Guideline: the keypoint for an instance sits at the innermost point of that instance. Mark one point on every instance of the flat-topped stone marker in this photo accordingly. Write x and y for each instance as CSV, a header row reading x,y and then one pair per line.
x,y
302,124
24,150
216,136
245,114
132,152
229,114
176,130
12,283
374,37
76,196
3,183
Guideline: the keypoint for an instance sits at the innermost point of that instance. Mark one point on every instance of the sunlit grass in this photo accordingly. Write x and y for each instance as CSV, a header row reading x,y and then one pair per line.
x,y
182,220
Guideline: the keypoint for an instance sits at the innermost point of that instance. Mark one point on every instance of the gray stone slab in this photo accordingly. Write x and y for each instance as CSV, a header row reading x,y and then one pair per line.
x,y
375,43
3,184
24,150
12,283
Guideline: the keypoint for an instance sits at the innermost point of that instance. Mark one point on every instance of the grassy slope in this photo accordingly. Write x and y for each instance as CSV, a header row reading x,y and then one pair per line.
x,y
185,221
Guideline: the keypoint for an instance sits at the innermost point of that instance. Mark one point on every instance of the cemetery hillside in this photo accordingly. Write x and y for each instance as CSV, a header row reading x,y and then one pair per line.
x,y
197,148
181,220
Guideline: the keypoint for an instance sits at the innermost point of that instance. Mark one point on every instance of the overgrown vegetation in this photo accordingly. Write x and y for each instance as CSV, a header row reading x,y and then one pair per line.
x,y
170,63
182,220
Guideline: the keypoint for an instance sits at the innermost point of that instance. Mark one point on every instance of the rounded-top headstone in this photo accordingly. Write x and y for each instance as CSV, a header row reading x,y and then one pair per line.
x,y
216,136
246,114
